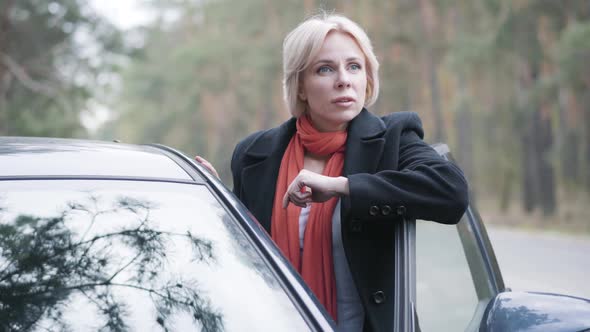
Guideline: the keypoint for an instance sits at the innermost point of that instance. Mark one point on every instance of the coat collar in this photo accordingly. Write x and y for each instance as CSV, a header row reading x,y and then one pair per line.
x,y
364,147
363,128
273,142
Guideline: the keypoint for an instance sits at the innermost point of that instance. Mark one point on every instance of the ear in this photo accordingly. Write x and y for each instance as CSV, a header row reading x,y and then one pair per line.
x,y
301,94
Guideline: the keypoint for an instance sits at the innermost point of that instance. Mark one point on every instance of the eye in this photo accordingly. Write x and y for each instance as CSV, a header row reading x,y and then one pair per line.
x,y
324,70
355,67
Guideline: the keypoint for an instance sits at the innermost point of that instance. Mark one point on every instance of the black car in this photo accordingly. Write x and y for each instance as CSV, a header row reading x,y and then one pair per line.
x,y
117,237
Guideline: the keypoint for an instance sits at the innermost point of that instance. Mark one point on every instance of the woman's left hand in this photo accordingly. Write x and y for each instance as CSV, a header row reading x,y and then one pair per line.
x,y
320,188
207,165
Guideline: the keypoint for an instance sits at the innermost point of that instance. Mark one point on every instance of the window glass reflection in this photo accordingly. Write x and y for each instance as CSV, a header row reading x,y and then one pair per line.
x,y
118,256
443,279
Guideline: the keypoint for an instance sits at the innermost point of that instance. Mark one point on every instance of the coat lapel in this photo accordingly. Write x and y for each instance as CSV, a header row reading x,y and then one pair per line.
x,y
263,160
364,149
364,144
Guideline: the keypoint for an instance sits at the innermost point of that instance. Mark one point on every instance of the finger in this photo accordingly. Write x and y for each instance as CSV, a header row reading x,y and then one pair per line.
x,y
214,171
295,196
291,198
204,162
286,197
304,200
300,204
298,198
304,197
286,200
207,165
307,199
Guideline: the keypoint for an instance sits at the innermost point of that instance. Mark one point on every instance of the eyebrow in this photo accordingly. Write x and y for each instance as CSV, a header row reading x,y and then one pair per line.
x,y
354,58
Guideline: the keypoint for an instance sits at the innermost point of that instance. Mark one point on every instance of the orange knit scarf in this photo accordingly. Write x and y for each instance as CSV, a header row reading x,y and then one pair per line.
x,y
316,266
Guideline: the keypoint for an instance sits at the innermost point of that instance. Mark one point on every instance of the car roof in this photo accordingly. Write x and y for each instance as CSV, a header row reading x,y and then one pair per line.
x,y
38,156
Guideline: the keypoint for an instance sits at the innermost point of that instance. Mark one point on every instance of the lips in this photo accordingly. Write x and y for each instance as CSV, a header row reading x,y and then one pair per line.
x,y
343,100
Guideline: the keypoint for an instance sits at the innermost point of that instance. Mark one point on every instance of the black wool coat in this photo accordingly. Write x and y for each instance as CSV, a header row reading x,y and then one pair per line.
x,y
392,175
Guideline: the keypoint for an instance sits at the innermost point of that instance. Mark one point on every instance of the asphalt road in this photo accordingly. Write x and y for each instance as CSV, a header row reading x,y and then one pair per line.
x,y
540,261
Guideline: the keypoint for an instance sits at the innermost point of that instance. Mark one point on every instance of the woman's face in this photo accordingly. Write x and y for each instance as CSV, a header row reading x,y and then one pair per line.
x,y
335,84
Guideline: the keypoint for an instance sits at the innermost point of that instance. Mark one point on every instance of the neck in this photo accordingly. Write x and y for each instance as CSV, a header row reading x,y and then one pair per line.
x,y
308,154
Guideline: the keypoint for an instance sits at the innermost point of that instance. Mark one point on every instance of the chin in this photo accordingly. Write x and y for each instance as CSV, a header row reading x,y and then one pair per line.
x,y
348,115
344,117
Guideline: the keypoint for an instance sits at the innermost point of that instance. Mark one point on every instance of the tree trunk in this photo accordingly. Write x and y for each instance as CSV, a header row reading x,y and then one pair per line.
x,y
463,115
308,7
431,25
463,124
567,141
530,185
439,133
545,170
506,189
529,176
586,160
4,78
539,175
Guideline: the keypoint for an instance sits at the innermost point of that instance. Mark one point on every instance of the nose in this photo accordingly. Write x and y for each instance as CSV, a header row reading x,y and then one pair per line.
x,y
343,79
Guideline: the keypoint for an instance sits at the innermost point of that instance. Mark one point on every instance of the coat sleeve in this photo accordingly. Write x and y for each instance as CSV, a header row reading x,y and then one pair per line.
x,y
236,168
425,186
237,162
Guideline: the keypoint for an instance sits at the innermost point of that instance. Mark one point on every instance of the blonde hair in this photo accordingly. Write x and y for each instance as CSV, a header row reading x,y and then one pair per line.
x,y
303,43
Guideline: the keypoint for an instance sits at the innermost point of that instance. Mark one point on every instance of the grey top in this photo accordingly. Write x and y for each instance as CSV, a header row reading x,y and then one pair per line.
x,y
350,309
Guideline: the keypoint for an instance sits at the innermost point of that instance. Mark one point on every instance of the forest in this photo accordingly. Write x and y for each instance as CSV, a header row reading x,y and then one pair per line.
x,y
505,83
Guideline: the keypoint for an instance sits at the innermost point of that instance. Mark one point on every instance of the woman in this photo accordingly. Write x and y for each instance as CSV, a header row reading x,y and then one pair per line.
x,y
330,183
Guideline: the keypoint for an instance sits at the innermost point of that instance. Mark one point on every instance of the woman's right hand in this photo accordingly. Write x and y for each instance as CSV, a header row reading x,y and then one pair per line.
x,y
320,188
207,165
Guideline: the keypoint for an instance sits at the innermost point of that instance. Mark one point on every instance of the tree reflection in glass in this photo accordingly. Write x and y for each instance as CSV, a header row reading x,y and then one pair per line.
x,y
246,253
44,264
521,318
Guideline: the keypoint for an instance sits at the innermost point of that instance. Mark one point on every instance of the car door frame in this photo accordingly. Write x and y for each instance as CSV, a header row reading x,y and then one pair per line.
x,y
484,268
292,283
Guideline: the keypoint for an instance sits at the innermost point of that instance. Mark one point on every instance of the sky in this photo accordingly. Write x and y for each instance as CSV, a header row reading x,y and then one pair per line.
x,y
126,14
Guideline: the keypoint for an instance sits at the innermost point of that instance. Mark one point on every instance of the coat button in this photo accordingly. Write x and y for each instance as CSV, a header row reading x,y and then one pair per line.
x,y
386,210
401,210
378,297
374,210
355,225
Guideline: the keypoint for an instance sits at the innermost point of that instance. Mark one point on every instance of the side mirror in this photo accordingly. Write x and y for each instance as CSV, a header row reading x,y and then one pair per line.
x,y
530,311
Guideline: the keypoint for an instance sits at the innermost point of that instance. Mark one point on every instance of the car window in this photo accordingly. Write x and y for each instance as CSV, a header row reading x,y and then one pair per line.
x,y
131,255
446,295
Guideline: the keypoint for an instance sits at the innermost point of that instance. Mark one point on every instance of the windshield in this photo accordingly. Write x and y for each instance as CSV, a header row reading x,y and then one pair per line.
x,y
130,255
